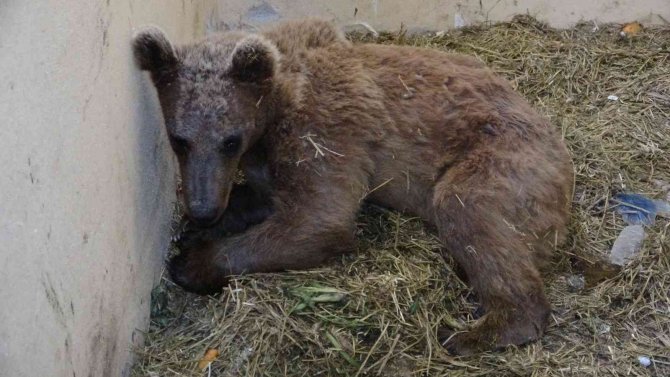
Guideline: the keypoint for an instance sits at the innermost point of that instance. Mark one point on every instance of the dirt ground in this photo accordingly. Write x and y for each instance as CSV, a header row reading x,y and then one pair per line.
x,y
377,311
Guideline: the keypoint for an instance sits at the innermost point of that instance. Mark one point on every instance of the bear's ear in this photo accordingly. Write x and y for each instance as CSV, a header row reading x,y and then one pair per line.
x,y
152,49
254,60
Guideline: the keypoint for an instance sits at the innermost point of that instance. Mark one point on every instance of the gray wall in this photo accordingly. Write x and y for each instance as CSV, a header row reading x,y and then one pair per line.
x,y
442,14
87,182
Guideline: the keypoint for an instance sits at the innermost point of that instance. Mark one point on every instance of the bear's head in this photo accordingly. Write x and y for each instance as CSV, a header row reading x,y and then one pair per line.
x,y
215,100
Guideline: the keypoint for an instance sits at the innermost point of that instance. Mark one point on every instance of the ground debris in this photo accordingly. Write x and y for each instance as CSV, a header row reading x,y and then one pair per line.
x,y
210,355
575,283
637,209
627,244
631,29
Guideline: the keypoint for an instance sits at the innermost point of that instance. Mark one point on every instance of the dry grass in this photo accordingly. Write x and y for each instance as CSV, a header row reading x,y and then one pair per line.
x,y
376,312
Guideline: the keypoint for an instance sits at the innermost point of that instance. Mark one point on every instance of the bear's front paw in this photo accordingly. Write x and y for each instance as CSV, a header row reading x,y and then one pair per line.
x,y
238,219
192,237
196,272
187,238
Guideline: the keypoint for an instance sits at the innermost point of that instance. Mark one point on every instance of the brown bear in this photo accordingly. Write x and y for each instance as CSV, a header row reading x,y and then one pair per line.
x,y
318,125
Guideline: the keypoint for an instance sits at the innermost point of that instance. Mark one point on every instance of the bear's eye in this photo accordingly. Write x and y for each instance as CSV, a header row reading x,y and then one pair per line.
x,y
179,144
231,145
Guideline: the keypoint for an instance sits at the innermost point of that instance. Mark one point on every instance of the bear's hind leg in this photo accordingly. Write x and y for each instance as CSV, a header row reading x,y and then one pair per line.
x,y
481,216
500,268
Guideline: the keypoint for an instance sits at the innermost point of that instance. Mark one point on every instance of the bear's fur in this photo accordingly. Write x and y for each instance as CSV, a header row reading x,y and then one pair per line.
x,y
319,124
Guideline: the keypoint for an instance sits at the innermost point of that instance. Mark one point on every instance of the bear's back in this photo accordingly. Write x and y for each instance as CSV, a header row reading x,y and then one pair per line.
x,y
292,37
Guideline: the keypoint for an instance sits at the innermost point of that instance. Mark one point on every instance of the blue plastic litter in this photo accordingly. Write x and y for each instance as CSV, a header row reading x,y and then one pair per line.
x,y
637,209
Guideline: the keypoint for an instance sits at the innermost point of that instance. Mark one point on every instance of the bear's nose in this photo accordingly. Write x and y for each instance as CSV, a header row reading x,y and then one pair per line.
x,y
203,215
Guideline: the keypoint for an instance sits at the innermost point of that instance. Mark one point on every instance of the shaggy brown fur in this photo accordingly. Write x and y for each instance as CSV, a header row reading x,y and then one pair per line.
x,y
319,125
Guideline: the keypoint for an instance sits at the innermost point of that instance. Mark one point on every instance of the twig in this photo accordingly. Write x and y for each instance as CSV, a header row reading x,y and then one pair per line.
x,y
318,147
377,188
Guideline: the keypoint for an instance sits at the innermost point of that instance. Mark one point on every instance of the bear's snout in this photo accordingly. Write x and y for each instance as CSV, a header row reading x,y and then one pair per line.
x,y
203,214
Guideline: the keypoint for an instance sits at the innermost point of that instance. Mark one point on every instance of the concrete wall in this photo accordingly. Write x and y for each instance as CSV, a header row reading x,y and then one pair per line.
x,y
86,182
442,14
